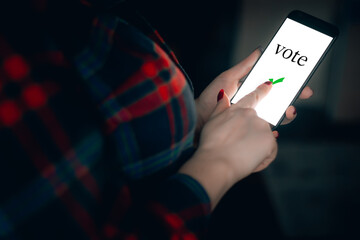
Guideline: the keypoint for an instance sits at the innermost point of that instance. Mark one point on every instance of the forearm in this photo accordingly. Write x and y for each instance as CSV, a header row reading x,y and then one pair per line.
x,y
212,173
228,149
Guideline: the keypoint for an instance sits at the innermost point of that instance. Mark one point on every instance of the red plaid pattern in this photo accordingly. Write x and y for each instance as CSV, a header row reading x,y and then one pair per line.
x,y
96,115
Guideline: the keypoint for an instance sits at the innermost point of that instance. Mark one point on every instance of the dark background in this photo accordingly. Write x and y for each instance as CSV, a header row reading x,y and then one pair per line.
x,y
312,190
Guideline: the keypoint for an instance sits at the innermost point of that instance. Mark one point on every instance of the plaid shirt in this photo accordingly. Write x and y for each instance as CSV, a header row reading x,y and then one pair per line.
x,y
96,116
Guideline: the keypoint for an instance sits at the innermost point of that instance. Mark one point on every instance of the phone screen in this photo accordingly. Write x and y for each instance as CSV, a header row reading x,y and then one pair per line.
x,y
287,62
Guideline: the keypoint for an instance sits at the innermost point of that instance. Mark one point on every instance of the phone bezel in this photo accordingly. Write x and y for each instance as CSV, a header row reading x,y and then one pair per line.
x,y
316,24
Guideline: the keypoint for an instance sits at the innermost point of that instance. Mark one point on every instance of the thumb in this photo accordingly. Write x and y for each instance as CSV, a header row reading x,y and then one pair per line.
x,y
223,103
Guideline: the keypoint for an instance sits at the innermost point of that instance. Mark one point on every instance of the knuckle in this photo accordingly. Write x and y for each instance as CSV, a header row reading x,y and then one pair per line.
x,y
254,95
261,123
270,144
248,68
249,112
225,75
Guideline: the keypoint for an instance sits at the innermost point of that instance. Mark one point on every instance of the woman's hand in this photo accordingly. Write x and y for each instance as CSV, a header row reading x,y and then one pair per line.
x,y
234,143
229,81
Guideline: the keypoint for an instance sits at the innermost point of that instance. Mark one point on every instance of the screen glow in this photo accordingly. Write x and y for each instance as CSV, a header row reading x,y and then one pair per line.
x,y
292,54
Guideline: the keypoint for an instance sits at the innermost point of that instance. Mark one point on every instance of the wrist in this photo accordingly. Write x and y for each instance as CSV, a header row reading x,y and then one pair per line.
x,y
212,173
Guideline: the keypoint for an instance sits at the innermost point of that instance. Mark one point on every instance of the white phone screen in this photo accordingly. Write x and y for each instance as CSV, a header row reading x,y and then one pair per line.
x,y
288,61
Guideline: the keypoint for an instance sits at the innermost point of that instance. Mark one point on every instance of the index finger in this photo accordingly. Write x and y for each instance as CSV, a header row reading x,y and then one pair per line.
x,y
253,98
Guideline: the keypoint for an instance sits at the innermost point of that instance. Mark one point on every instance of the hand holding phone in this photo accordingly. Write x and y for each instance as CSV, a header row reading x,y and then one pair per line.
x,y
288,62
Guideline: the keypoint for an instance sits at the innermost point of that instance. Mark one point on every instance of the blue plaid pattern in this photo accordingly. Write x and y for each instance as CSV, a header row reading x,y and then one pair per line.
x,y
93,128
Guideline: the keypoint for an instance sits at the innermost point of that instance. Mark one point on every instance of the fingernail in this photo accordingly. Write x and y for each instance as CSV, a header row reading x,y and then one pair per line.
x,y
277,136
220,95
268,83
294,111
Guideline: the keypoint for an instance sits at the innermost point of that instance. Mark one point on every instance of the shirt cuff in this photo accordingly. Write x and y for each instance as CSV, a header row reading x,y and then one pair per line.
x,y
194,186
184,197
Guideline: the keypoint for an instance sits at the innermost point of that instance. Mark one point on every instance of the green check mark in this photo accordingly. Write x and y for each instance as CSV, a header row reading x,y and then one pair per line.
x,y
276,81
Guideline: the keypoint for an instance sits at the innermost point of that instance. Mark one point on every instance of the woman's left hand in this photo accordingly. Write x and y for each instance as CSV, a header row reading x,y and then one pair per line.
x,y
230,82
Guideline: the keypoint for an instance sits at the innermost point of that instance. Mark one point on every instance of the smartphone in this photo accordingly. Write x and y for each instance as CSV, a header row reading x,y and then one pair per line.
x,y
289,61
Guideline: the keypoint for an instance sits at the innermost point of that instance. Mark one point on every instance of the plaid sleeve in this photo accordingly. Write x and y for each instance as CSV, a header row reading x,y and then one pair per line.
x,y
152,108
177,209
183,207
90,142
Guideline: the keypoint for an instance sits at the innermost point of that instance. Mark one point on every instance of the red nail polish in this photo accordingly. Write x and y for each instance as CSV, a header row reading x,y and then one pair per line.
x,y
268,83
220,95
295,111
277,136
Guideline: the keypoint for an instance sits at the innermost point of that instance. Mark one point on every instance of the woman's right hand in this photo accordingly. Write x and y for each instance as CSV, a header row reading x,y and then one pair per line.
x,y
238,136
234,143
